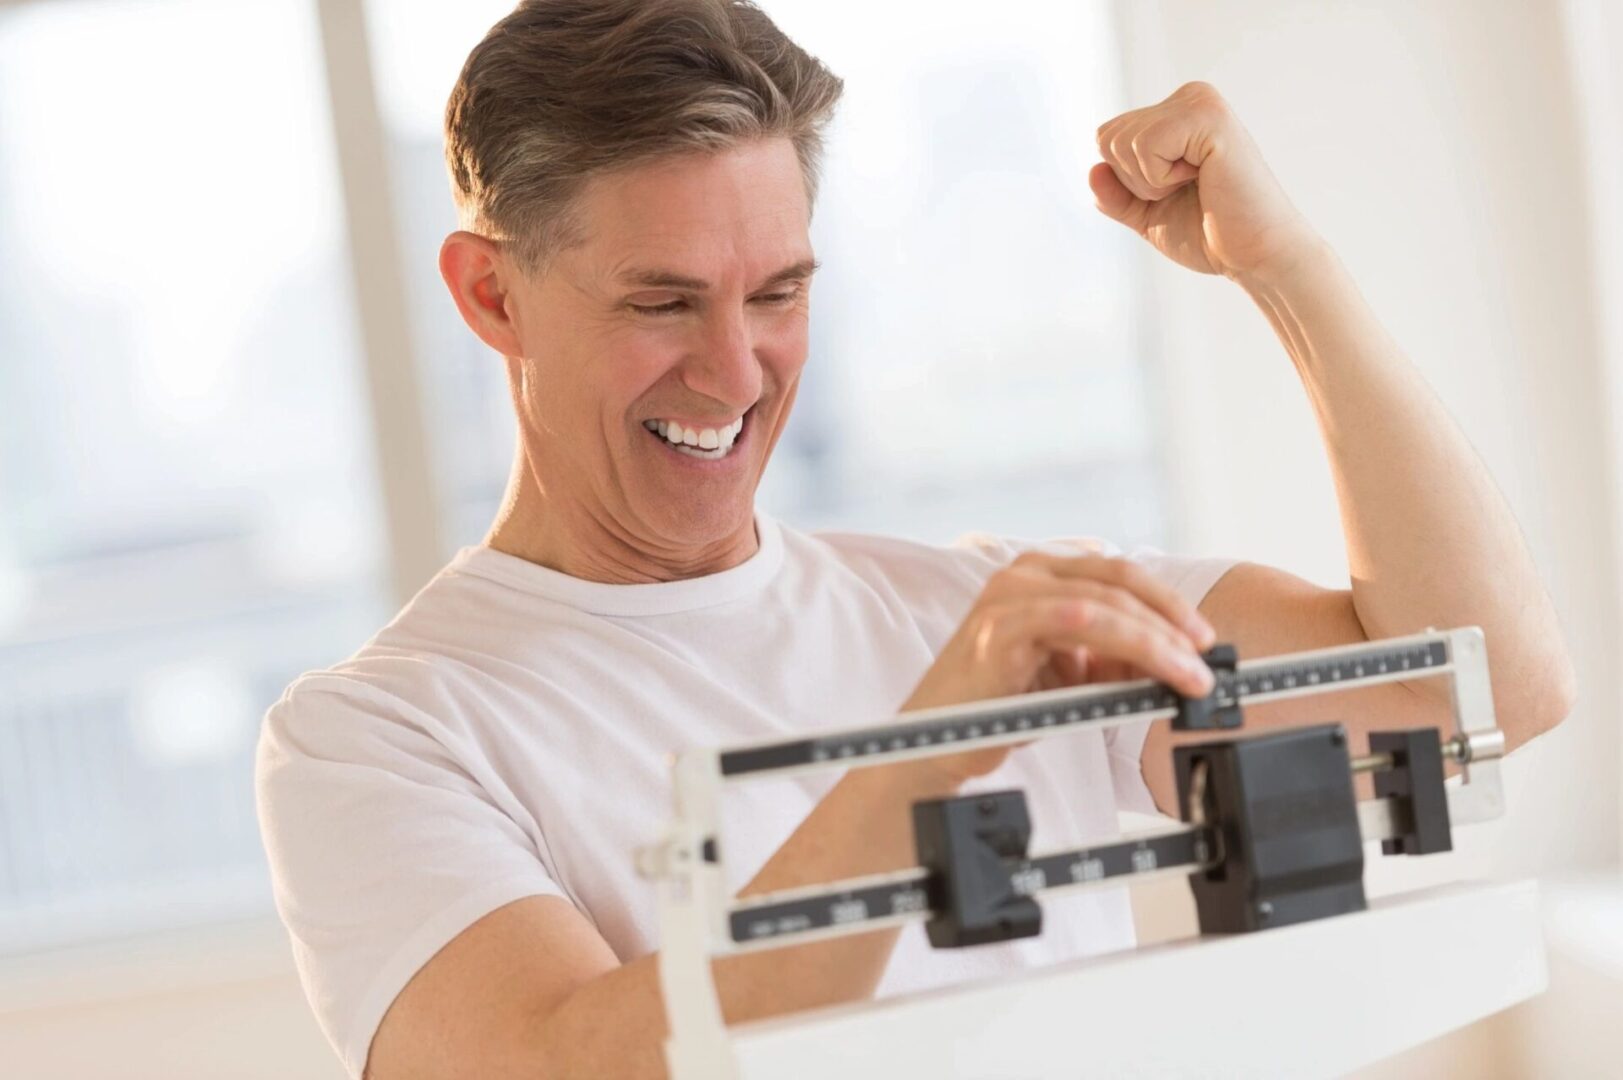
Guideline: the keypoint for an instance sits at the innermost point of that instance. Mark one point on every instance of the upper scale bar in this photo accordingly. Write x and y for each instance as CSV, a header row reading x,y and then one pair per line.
x,y
1100,705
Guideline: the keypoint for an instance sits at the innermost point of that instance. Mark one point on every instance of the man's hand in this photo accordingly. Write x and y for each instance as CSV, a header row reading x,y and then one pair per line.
x,y
1046,621
1186,176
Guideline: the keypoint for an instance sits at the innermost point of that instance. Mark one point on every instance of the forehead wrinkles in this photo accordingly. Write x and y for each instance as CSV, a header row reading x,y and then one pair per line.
x,y
727,258
711,217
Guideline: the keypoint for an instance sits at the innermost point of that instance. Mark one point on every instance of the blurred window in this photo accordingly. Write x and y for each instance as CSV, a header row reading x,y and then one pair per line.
x,y
190,516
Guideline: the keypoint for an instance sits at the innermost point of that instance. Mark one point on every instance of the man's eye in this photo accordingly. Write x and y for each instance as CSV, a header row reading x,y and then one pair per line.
x,y
670,307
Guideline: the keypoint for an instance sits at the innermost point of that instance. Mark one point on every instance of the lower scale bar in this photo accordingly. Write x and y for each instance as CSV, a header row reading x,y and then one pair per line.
x,y
860,905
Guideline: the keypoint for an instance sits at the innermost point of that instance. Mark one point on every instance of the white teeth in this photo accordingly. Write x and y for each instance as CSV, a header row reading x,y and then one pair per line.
x,y
719,440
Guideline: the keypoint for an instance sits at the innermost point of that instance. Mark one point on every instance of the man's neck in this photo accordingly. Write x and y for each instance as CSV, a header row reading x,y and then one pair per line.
x,y
575,542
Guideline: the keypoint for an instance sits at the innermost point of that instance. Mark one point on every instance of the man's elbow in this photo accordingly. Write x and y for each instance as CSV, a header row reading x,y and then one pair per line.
x,y
1566,692
1557,700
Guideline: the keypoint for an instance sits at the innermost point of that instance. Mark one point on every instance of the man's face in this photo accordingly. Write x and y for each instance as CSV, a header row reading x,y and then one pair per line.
x,y
686,304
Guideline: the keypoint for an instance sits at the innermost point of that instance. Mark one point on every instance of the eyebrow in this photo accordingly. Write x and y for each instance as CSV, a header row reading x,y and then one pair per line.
x,y
669,279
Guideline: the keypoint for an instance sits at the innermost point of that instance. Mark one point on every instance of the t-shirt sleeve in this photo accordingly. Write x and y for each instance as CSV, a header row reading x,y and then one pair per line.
x,y
382,849
1191,576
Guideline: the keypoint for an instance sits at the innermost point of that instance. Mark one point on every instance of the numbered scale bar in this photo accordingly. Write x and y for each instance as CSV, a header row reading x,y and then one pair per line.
x,y
871,903
1046,712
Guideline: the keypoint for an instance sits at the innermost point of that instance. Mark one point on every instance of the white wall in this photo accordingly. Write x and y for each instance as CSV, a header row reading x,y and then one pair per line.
x,y
1594,33
211,1003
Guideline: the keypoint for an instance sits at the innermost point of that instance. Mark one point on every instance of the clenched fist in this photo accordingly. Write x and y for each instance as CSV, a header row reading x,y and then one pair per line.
x,y
1046,621
1186,176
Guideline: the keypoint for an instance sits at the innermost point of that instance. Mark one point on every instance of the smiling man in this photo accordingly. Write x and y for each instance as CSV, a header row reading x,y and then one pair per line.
x,y
451,813
646,426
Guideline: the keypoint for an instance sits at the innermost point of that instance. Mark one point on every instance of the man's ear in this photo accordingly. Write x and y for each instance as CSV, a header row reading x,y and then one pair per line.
x,y
479,277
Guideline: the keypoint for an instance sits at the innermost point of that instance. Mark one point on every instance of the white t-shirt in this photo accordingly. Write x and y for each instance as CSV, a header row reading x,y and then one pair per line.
x,y
507,736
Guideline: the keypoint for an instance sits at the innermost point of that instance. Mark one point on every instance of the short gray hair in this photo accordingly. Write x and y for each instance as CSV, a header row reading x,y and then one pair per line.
x,y
560,91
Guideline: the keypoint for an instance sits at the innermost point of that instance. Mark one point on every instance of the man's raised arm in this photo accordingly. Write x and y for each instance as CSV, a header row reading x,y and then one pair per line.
x,y
1431,541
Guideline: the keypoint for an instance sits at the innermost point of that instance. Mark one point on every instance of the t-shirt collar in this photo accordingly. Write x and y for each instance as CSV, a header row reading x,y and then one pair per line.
x,y
653,598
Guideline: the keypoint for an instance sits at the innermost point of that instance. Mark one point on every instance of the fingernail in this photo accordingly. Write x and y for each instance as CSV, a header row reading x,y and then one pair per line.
x,y
1196,667
1203,633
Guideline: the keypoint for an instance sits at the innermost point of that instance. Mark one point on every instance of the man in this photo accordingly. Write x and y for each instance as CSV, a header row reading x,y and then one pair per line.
x,y
451,813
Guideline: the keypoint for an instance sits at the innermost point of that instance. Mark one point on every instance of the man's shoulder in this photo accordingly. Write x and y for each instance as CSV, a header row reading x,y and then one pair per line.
x,y
866,546
418,671
457,627
935,582
974,555
371,694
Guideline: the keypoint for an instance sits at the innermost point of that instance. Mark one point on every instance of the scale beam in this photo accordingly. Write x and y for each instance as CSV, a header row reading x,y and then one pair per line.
x,y
1053,712
875,901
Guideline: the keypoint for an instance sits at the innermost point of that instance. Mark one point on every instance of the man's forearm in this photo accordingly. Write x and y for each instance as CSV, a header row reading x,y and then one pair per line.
x,y
615,1025
1430,539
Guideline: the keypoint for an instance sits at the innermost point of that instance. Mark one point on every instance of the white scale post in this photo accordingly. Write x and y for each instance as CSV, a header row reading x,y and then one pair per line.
x,y
1317,997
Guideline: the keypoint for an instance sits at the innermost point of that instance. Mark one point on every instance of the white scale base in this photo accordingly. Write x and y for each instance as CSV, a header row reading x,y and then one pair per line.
x,y
1313,1000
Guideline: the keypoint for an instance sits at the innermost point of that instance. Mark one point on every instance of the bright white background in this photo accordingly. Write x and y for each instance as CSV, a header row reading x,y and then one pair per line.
x,y
217,320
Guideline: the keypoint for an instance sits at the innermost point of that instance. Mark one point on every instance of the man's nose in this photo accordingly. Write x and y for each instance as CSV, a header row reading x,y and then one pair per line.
x,y
724,367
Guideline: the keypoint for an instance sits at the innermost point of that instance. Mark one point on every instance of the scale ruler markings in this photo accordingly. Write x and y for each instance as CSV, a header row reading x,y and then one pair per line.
x,y
1351,664
851,908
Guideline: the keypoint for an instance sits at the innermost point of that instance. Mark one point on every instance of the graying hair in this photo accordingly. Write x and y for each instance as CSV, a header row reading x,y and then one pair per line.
x,y
560,91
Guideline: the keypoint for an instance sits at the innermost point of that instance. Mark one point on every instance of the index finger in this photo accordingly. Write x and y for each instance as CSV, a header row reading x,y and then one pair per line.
x,y
1155,593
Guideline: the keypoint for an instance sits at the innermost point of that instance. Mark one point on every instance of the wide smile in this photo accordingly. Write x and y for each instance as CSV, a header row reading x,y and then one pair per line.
x,y
712,446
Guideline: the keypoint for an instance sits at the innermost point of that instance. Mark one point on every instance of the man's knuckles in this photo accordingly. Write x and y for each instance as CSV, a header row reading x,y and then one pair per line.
x,y
1203,96
1108,580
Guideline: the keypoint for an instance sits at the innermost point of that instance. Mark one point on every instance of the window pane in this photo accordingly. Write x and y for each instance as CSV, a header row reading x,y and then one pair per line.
x,y
418,50
190,511
974,362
